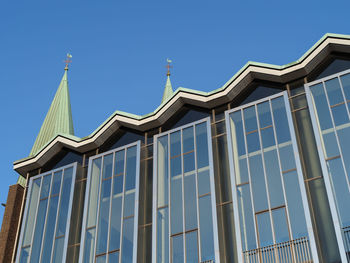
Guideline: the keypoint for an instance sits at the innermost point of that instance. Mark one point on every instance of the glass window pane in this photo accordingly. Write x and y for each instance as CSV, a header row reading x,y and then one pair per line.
x,y
56,185
130,177
242,171
273,178
246,217
190,202
162,235
264,114
176,205
177,249
128,238
113,257
189,164
258,183
253,142
34,196
89,245
267,137
58,250
237,133
264,229
330,144
344,141
103,219
281,120
250,119
24,255
295,205
107,166
192,247
206,224
118,184
345,79
187,137
175,166
334,93
101,259
287,157
38,232
341,189
175,143
203,182
114,239
45,188
50,229
119,162
129,203
94,192
162,177
64,203
202,145
321,104
340,115
279,218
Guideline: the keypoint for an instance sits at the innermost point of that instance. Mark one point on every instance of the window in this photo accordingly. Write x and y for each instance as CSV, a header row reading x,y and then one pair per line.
x,y
270,207
44,234
329,103
111,212
184,196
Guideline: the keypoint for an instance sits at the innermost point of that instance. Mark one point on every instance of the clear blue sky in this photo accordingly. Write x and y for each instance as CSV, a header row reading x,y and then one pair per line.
x,y
119,53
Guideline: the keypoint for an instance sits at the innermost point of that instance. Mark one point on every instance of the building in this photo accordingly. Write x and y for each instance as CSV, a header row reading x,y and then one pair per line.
x,y
255,171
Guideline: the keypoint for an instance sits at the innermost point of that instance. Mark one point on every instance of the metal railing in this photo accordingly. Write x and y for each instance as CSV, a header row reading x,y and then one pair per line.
x,y
208,261
294,251
346,233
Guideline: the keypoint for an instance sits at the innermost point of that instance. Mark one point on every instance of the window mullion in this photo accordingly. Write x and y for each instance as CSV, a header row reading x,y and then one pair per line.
x,y
122,212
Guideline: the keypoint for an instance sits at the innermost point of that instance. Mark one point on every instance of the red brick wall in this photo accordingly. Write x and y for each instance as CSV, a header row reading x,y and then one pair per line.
x,y
10,222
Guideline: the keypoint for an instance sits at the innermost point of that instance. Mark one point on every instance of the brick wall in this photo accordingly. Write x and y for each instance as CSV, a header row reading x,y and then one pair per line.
x,y
10,222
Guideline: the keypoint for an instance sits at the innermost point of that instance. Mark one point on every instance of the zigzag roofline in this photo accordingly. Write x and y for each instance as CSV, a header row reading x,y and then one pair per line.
x,y
232,88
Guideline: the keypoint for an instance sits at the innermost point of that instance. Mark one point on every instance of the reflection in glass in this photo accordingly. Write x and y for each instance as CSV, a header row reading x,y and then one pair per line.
x,y
280,119
341,189
258,183
334,93
273,178
279,218
295,205
206,223
246,217
162,235
190,202
191,247
264,229
177,249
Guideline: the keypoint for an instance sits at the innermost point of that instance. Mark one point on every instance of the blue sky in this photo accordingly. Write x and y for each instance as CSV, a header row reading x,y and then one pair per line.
x,y
119,53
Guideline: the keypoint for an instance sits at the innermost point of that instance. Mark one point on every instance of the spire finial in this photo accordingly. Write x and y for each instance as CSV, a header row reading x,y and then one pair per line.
x,y
67,61
168,66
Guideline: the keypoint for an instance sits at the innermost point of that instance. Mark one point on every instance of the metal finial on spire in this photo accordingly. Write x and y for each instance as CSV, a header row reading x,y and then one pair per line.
x,y
67,61
168,66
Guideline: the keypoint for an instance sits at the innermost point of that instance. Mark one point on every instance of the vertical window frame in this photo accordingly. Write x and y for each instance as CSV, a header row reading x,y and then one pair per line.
x,y
212,191
322,155
24,221
136,144
298,169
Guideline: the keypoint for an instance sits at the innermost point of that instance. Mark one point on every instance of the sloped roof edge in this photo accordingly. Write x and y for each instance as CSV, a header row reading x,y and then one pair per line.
x,y
180,97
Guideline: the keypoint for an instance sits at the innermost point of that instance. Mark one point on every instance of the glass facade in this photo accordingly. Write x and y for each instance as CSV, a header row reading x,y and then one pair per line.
x,y
272,219
111,210
259,179
184,210
44,234
329,100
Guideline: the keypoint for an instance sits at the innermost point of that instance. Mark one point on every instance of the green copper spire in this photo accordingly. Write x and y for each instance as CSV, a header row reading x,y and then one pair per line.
x,y
58,119
168,91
